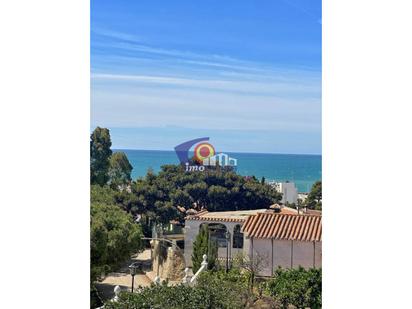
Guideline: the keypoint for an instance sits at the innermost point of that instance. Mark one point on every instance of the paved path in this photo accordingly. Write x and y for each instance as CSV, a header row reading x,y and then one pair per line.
x,y
123,278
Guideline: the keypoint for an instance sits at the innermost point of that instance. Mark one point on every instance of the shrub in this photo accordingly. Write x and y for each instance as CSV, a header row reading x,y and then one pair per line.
x,y
113,238
299,287
176,297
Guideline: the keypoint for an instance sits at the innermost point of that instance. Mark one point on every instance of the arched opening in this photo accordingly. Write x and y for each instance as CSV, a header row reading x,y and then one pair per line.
x,y
218,233
237,237
201,225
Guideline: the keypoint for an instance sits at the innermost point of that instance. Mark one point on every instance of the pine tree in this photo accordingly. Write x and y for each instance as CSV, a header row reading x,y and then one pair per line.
x,y
202,246
100,153
120,170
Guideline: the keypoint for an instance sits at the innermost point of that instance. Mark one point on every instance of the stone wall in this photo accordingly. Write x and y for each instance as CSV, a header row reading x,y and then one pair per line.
x,y
168,261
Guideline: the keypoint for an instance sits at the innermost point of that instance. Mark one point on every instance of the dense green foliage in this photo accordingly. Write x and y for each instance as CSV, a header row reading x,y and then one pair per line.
x,y
103,194
314,199
113,238
95,299
216,190
217,289
100,153
211,292
299,287
156,196
234,276
202,246
120,170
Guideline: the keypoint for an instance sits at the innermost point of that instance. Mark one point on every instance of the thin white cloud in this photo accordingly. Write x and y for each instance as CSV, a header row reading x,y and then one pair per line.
x,y
135,85
126,42
262,87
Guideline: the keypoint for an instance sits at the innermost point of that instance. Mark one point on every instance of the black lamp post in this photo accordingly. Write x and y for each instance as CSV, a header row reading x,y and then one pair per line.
x,y
227,235
133,270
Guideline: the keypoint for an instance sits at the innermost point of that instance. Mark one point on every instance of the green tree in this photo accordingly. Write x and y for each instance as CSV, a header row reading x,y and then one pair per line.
x,y
102,194
215,190
100,153
314,199
120,170
202,246
114,237
298,287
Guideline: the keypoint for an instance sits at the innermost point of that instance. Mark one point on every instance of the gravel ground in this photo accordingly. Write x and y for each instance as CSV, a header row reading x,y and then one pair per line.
x,y
123,278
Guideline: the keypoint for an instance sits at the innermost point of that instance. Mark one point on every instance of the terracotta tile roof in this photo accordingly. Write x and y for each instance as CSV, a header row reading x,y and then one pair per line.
x,y
284,226
224,216
313,212
215,219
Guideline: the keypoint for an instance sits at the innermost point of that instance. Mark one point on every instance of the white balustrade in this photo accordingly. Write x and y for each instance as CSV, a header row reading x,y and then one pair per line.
x,y
192,280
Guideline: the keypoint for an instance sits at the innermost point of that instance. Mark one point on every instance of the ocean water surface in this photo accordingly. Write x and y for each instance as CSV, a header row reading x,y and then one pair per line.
x,y
303,170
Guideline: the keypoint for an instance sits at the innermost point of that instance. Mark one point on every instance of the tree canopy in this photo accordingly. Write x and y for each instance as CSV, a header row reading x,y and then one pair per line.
x,y
314,199
100,153
297,288
113,238
120,170
157,196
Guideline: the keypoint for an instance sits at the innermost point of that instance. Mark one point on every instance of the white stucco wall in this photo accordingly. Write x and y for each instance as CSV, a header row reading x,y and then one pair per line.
x,y
191,230
247,246
262,252
280,253
318,254
303,254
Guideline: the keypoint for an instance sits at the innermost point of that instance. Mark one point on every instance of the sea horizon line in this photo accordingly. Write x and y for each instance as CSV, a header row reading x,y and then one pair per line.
x,y
240,152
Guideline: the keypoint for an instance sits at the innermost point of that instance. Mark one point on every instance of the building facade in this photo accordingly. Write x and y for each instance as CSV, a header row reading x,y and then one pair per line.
x,y
288,190
284,238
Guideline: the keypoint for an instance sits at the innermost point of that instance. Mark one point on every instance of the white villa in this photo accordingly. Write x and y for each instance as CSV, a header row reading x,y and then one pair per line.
x,y
283,238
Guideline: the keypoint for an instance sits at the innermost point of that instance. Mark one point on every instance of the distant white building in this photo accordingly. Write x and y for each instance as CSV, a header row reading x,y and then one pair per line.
x,y
288,190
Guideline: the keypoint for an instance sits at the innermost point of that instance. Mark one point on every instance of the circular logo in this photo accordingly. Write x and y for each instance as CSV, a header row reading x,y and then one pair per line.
x,y
203,151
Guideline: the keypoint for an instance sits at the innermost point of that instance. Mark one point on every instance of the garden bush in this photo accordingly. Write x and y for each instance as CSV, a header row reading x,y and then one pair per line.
x,y
298,287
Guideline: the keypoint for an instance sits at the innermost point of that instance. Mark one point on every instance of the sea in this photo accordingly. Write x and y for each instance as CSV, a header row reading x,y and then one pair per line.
x,y
303,170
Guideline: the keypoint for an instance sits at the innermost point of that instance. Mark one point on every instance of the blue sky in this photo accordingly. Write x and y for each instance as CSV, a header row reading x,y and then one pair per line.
x,y
245,73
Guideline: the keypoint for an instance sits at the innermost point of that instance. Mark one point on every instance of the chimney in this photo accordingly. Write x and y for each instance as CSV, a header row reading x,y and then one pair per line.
x,y
276,208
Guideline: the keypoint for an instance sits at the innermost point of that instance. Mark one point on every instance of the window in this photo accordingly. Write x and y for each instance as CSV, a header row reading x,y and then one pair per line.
x,y
237,237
